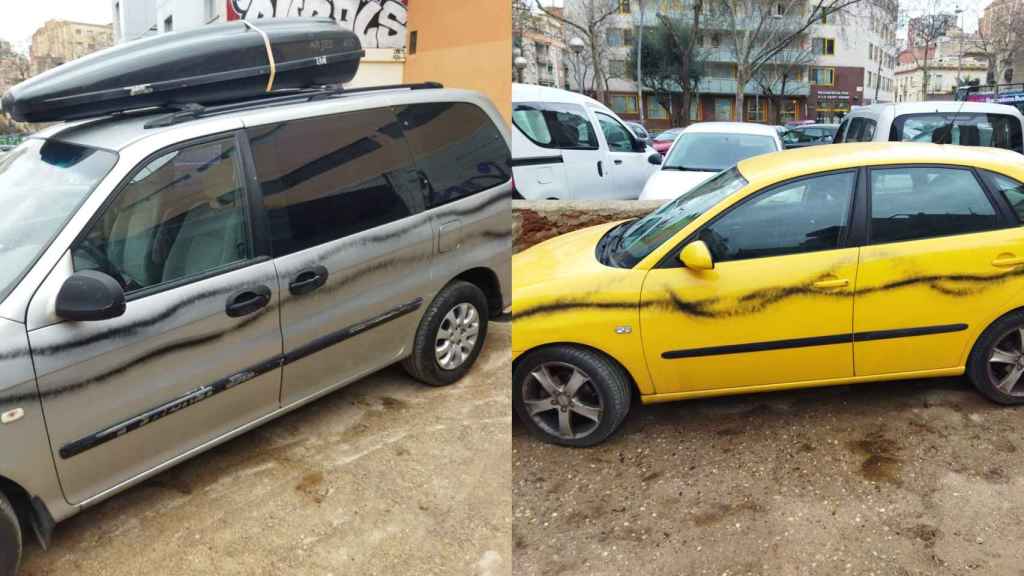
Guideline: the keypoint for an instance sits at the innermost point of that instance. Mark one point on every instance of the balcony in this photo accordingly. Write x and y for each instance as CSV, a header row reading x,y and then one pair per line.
x,y
728,86
724,55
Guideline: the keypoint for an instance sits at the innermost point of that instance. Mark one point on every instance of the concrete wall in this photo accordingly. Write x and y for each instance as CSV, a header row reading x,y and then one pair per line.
x,y
536,221
463,45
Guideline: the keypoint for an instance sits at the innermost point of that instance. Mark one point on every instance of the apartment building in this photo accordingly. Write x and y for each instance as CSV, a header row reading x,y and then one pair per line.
x,y
60,41
855,60
542,41
842,61
1002,17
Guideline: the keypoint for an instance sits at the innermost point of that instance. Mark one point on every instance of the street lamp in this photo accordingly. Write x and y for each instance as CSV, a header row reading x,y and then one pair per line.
x,y
576,45
520,64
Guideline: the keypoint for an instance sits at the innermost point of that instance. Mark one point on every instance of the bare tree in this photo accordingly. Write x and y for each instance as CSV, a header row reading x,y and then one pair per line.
x,y
588,19
932,22
758,30
781,74
683,40
671,63
1000,37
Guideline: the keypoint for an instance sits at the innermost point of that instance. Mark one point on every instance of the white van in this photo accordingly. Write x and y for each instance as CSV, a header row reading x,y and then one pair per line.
x,y
946,122
566,146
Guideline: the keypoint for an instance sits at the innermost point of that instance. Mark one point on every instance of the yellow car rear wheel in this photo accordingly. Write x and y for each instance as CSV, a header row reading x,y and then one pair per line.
x,y
996,365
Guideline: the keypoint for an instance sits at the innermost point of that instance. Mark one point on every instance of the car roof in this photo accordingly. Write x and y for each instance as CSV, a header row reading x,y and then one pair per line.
x,y
778,166
117,132
943,106
803,126
732,128
537,93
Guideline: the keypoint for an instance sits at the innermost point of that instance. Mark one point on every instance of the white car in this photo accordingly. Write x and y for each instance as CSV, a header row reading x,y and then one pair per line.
x,y
942,122
566,146
705,149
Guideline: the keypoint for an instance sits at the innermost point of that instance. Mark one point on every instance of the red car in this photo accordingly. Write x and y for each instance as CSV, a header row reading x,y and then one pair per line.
x,y
663,141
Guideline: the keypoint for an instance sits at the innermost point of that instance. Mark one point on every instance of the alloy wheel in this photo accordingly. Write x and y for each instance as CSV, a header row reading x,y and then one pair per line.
x,y
457,336
562,400
1006,363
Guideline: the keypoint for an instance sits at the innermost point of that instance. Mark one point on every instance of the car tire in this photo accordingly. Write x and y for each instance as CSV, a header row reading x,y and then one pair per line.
x,y
605,386
426,363
998,353
10,539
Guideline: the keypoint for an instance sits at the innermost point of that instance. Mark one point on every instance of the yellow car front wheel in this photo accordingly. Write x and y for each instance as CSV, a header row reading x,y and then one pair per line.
x,y
570,395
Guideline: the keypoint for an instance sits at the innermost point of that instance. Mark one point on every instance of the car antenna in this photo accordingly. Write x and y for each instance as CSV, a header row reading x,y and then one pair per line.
x,y
963,99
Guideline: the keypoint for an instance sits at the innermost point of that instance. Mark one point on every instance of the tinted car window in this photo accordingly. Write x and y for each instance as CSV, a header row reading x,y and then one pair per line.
x,y
330,177
923,202
860,130
457,147
802,216
1012,190
553,125
619,139
181,215
642,236
965,129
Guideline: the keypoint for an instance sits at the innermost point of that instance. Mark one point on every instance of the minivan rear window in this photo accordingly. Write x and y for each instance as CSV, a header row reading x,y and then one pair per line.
x,y
965,129
457,147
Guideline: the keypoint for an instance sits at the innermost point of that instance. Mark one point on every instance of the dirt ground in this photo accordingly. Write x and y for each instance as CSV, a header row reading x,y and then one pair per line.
x,y
896,478
383,477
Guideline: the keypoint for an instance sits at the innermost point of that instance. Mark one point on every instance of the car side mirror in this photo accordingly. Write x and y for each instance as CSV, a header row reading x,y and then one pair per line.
x,y
88,296
655,159
696,256
826,139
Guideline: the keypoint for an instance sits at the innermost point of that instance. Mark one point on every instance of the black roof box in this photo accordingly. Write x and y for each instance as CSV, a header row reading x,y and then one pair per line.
x,y
213,64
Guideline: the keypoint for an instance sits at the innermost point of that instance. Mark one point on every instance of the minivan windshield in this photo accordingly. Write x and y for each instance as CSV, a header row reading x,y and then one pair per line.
x,y
42,183
714,152
638,239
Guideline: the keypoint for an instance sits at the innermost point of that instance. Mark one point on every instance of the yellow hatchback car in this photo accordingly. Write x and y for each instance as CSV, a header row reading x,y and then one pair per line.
x,y
812,267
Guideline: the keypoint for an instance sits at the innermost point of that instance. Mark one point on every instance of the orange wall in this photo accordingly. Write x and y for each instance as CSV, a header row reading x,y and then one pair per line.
x,y
463,44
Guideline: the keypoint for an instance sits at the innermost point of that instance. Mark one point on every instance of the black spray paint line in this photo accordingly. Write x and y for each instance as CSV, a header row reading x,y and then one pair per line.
x,y
202,393
759,300
103,378
418,223
132,328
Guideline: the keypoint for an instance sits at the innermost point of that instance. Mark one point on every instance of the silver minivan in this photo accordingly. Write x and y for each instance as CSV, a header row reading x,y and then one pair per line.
x,y
171,280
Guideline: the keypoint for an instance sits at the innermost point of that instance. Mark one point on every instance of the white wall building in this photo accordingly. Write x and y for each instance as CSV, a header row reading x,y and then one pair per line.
x,y
862,38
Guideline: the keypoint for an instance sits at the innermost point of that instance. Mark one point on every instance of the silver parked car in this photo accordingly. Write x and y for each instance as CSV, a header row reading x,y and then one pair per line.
x,y
171,280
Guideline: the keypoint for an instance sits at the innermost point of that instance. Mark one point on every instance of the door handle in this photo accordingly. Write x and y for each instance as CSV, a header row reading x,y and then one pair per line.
x,y
1007,261
835,283
308,280
247,301
600,169
618,162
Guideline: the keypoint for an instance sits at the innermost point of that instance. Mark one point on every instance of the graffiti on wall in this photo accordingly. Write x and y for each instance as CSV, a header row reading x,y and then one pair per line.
x,y
379,23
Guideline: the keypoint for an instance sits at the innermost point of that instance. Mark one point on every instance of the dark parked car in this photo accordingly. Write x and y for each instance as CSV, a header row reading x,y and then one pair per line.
x,y
809,135
640,132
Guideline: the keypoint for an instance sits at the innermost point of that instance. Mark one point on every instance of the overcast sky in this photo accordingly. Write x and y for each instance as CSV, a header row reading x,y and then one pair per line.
x,y
18,23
